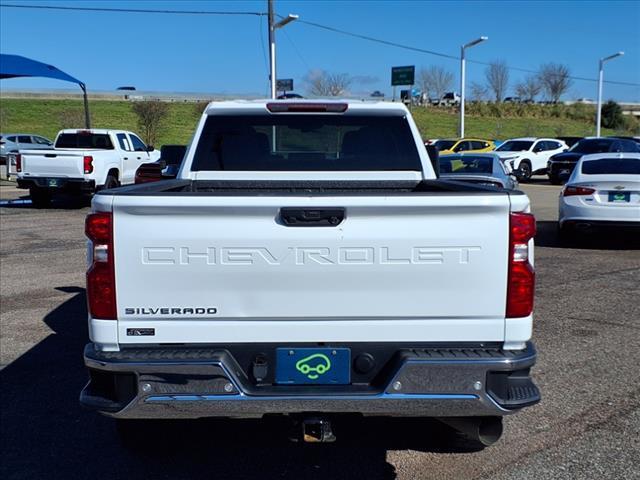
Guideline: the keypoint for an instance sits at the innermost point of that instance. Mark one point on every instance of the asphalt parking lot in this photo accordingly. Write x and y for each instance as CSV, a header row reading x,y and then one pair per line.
x,y
587,330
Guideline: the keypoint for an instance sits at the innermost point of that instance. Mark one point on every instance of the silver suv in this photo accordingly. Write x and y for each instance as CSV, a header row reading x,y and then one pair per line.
x,y
13,142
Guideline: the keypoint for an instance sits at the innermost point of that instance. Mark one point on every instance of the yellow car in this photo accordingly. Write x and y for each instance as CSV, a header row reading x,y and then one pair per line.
x,y
464,145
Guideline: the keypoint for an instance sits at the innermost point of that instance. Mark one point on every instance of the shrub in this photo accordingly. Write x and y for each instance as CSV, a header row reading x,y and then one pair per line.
x,y
71,118
612,115
151,116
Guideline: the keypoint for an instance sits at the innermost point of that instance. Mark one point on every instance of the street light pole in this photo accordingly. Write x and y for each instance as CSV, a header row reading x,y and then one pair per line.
x,y
462,78
272,43
600,80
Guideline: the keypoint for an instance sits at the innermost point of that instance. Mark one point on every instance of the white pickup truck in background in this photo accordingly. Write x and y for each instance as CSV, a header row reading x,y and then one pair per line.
x,y
307,262
82,162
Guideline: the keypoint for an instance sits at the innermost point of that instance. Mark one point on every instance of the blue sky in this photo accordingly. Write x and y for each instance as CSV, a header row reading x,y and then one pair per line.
x,y
222,54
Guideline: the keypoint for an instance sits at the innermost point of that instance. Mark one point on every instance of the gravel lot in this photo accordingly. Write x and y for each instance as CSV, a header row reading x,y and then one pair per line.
x,y
587,329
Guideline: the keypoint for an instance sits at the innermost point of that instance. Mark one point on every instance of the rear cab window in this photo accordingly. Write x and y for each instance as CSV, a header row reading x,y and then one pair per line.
x,y
592,145
466,165
302,142
98,141
612,166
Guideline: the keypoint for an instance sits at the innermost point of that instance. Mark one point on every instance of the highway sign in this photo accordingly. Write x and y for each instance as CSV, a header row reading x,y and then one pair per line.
x,y
284,85
403,75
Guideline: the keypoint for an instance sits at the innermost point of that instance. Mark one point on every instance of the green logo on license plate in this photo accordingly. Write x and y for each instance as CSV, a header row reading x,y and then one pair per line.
x,y
314,365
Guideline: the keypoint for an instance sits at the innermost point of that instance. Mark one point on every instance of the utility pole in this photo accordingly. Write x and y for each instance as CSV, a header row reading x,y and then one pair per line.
x,y
272,50
272,43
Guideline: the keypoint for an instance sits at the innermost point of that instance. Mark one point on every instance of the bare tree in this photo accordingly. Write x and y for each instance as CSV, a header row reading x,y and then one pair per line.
x,y
478,92
435,81
555,80
325,84
151,115
529,88
497,74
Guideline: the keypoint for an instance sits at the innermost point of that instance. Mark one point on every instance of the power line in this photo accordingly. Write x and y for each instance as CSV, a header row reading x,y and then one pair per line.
x,y
378,40
313,24
295,48
132,10
444,55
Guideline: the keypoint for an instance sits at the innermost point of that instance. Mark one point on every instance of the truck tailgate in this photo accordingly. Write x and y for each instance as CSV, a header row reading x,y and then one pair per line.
x,y
226,268
53,163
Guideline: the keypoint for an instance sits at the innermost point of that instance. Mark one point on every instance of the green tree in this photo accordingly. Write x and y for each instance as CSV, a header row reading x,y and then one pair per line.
x,y
612,115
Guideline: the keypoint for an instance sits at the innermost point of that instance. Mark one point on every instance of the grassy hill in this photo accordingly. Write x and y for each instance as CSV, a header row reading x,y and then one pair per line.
x,y
46,117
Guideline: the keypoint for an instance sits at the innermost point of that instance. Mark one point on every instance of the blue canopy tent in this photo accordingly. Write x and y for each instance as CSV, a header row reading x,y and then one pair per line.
x,y
12,66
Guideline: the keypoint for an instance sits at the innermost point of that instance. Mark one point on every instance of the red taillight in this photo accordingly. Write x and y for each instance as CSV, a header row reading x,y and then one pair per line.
x,y
570,191
101,281
521,281
307,107
18,163
88,164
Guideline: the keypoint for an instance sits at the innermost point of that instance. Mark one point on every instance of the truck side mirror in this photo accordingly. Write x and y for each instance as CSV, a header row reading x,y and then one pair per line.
x,y
434,156
148,172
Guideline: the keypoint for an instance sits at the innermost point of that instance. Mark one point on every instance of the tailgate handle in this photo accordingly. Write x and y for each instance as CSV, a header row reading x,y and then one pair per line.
x,y
50,155
311,217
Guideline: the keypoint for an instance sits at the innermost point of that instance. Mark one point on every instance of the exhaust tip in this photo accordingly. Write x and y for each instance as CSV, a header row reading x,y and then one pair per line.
x,y
490,430
485,430
583,226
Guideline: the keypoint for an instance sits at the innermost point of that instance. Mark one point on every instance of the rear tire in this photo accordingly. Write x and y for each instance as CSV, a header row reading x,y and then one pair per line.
x,y
524,171
40,198
554,180
566,234
111,182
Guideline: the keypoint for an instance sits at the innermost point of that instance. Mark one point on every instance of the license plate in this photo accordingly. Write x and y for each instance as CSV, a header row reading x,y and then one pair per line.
x,y
53,182
318,366
619,197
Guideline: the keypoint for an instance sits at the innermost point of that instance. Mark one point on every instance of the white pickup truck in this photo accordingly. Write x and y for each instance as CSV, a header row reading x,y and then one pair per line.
x,y
307,262
82,162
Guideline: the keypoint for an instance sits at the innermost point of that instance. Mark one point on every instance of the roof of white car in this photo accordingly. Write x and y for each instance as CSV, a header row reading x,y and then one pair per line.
x,y
261,104
530,139
92,130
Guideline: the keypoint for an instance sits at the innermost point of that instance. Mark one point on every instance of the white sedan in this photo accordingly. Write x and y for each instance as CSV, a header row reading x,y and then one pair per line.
x,y
603,190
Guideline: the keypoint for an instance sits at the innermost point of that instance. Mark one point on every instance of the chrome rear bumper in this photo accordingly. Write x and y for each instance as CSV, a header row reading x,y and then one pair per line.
x,y
209,382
